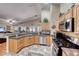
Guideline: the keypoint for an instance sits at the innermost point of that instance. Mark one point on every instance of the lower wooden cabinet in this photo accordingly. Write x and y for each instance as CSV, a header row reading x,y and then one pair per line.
x,y
36,39
15,44
48,40
31,40
20,42
26,41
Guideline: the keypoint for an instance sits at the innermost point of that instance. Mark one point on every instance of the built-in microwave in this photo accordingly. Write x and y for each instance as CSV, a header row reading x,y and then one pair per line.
x,y
69,25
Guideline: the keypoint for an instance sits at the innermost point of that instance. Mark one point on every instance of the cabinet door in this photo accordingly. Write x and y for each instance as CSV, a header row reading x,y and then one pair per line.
x,y
68,14
77,17
22,42
26,40
13,46
31,40
61,18
48,40
36,39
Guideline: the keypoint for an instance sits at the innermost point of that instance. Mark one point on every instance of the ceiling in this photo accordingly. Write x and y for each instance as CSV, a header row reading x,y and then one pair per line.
x,y
20,11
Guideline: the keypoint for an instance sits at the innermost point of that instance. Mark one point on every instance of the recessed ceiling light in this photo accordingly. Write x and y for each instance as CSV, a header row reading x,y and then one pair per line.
x,y
11,21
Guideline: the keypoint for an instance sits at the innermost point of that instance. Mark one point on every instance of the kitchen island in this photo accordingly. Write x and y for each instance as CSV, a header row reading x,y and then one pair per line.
x,y
17,43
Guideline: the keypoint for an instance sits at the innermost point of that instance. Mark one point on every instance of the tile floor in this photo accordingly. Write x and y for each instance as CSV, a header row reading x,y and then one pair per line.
x,y
35,50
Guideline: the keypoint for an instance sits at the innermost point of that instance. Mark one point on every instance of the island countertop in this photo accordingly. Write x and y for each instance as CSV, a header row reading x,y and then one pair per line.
x,y
27,34
19,35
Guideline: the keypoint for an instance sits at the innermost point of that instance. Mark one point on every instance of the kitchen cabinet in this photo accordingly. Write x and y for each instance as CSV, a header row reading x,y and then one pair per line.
x,y
31,40
13,46
16,44
64,17
61,22
57,24
76,16
36,39
48,40
61,18
21,42
26,41
69,13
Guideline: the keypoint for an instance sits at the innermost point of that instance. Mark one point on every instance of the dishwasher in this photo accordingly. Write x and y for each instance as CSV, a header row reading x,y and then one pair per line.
x,y
42,40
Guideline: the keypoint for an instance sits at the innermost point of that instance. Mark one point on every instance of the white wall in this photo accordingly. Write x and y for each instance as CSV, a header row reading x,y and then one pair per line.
x,y
45,14
55,10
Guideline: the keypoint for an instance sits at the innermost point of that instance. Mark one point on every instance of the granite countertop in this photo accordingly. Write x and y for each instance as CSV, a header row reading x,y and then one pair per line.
x,y
70,51
16,37
28,34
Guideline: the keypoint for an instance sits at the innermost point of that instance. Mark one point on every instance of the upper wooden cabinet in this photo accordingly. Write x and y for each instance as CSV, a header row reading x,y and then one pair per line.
x,y
60,22
61,18
66,15
69,13
76,16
